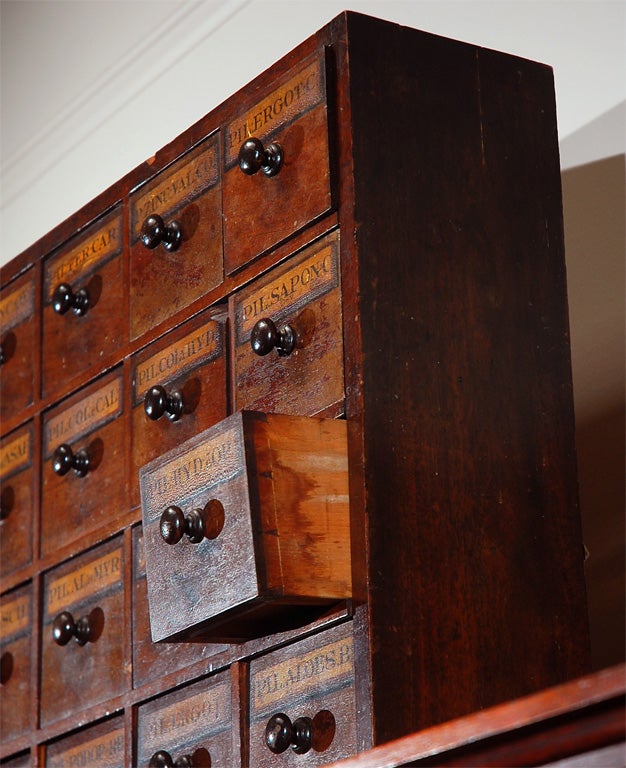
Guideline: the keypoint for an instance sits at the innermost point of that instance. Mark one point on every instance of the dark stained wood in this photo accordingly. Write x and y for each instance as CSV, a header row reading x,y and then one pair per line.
x,y
18,337
17,615
99,746
17,491
162,282
574,720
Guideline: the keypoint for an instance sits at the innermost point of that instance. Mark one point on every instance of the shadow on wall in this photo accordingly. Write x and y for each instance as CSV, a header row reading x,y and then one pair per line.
x,y
594,205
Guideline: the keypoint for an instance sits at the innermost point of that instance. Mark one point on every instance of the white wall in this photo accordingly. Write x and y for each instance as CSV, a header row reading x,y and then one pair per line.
x,y
91,88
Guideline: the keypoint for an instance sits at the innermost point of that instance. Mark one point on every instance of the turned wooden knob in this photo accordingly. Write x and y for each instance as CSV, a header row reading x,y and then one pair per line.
x,y
281,733
6,667
154,232
197,524
64,299
199,759
7,501
254,157
157,402
64,459
266,336
64,628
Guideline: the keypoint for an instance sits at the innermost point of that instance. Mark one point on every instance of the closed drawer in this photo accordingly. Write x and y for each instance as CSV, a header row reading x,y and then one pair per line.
x,y
84,470
179,388
153,660
19,761
302,703
293,317
84,305
18,346
17,499
247,527
82,644
175,237
16,617
194,721
273,198
99,746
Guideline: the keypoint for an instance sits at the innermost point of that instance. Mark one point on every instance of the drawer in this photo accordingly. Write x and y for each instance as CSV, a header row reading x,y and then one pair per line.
x,y
82,643
16,619
247,527
302,702
18,346
193,721
99,746
84,305
17,499
152,660
84,463
175,237
19,761
277,175
293,316
181,381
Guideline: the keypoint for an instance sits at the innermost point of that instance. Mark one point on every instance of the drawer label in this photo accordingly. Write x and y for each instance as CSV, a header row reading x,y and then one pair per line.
x,y
88,414
177,187
299,94
14,617
310,278
16,455
85,257
201,714
19,305
83,583
330,666
201,346
213,461
105,751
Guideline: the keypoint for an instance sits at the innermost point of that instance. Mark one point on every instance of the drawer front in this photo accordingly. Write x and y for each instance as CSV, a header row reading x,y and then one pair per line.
x,y
84,315
16,617
19,761
18,338
312,679
100,746
261,210
193,721
17,500
182,381
82,653
303,294
187,198
152,660
77,500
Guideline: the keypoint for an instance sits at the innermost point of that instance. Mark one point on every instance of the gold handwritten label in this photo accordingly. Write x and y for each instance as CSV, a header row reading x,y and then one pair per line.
x,y
299,94
184,721
210,463
88,414
14,617
86,256
16,455
330,666
201,346
289,291
176,187
18,306
85,582
102,752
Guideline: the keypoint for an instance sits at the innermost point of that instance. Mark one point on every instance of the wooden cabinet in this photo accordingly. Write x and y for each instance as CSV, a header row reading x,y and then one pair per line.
x,y
355,263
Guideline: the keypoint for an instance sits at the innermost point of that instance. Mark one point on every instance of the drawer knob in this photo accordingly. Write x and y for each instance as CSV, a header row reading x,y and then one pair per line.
x,y
7,501
254,157
266,336
163,759
155,231
64,628
64,460
281,733
197,524
64,299
158,402
6,667
7,347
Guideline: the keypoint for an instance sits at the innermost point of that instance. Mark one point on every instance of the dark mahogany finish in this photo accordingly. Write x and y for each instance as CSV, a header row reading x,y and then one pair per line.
x,y
65,459
155,231
64,299
266,336
254,157
281,733
64,628
158,402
